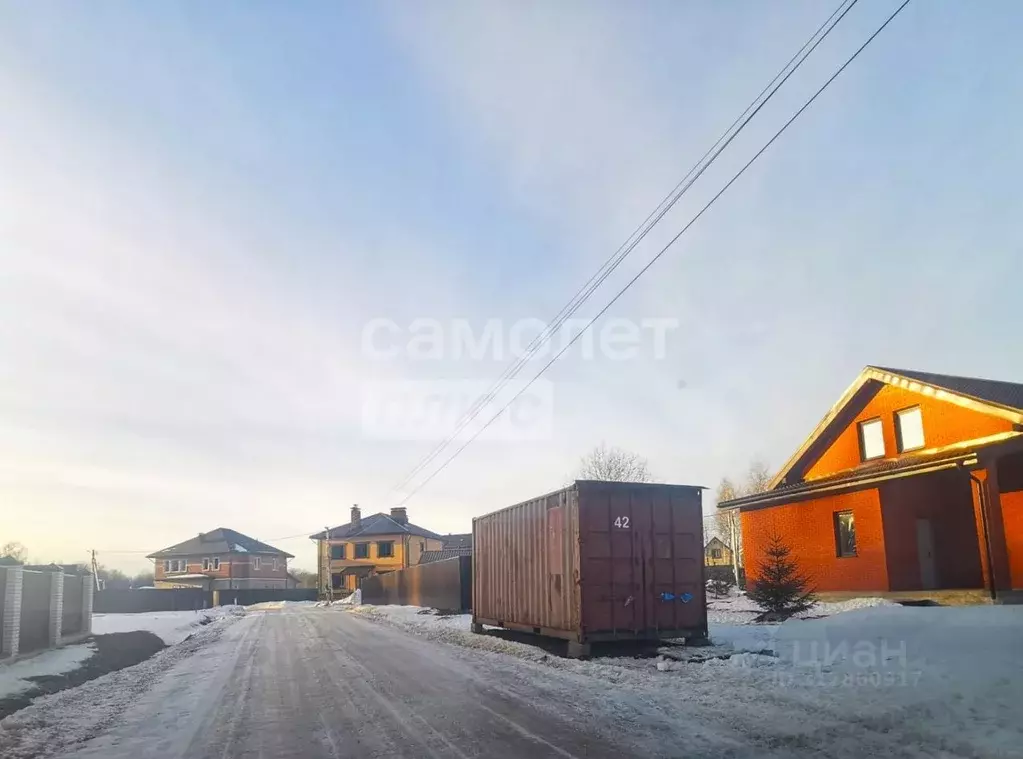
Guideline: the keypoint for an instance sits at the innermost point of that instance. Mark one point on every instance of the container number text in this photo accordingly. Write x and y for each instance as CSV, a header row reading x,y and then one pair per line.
x,y
622,523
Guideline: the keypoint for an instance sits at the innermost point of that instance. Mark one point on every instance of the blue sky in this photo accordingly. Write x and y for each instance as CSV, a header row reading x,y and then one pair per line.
x,y
202,205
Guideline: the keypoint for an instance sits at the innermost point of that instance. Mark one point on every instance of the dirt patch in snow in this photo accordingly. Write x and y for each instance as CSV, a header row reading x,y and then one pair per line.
x,y
113,652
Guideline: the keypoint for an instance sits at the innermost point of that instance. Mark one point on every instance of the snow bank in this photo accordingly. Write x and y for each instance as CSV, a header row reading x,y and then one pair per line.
x,y
55,662
59,724
170,626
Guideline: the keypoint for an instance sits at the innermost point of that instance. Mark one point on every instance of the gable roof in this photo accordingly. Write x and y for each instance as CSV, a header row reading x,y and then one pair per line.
x,y
376,524
428,557
1008,395
719,541
457,540
220,540
1002,399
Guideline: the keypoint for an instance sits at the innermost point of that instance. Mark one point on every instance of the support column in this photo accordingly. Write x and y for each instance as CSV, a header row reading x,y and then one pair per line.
x,y
10,630
88,585
56,607
987,510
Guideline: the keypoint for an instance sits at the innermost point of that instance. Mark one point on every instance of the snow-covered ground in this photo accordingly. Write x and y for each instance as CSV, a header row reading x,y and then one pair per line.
x,y
170,626
54,662
952,674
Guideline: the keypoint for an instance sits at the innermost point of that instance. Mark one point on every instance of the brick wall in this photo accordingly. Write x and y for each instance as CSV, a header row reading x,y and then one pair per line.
x,y
808,529
944,423
232,566
1010,482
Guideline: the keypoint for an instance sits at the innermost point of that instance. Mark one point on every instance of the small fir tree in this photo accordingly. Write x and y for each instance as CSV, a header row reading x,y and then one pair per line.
x,y
780,590
720,585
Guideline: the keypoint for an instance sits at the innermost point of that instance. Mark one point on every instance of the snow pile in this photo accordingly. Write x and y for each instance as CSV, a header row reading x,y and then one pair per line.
x,y
170,626
57,724
355,599
53,662
738,609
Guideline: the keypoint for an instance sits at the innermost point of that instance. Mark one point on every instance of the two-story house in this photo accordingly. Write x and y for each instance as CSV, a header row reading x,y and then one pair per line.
x,y
912,481
370,545
717,553
219,560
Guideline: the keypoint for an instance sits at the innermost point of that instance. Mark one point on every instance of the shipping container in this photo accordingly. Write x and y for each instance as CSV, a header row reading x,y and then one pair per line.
x,y
597,561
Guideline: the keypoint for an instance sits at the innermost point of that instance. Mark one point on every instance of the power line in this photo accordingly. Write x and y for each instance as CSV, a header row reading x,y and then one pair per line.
x,y
663,250
616,259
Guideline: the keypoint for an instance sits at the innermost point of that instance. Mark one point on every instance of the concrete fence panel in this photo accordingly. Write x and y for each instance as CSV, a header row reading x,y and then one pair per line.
x,y
71,623
35,610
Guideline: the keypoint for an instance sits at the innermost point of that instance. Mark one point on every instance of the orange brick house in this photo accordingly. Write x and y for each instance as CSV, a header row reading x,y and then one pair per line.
x,y
221,559
912,481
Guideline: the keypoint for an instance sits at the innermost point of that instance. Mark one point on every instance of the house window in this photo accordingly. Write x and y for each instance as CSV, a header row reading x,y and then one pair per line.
x,y
909,429
275,563
422,546
362,550
205,565
337,552
216,563
166,565
845,534
385,549
871,439
174,565
337,580
255,563
715,553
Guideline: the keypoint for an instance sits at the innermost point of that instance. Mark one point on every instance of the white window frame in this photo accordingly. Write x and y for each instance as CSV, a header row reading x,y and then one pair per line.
x,y
205,565
872,424
912,411
275,563
255,563
216,563
166,566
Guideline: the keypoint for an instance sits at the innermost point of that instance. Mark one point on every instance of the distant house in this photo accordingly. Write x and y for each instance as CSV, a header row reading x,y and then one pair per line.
x,y
370,545
459,544
221,559
717,553
457,540
912,481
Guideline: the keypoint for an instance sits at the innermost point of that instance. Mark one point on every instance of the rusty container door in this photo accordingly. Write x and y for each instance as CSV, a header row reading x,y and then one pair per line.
x,y
641,559
525,566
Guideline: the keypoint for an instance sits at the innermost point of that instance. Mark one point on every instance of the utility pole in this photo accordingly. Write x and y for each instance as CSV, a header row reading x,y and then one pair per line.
x,y
95,571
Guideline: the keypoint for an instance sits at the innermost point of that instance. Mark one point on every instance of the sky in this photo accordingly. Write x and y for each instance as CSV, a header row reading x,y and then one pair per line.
x,y
203,206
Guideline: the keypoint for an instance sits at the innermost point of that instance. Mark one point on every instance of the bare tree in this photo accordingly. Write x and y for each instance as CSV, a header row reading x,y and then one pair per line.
x,y
726,523
726,492
14,550
614,464
758,478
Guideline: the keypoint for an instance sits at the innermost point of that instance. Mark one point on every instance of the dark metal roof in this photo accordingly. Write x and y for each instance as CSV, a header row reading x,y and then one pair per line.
x,y
428,557
457,540
376,524
1008,394
905,465
220,540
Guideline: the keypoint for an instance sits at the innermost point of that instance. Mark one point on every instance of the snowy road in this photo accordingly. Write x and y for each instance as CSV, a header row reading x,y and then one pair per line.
x,y
312,682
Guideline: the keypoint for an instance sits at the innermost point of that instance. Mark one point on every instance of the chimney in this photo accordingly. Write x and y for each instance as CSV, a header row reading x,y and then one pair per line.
x,y
399,514
356,517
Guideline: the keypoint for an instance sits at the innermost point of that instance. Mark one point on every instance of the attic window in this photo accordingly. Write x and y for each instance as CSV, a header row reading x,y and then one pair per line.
x,y
909,428
871,439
